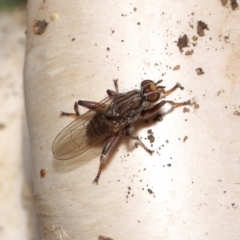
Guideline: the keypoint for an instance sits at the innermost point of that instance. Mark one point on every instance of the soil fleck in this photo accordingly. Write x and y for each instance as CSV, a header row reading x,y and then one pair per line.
x,y
237,113
150,191
104,238
188,52
42,173
176,68
39,27
224,2
199,71
234,4
182,42
201,26
151,138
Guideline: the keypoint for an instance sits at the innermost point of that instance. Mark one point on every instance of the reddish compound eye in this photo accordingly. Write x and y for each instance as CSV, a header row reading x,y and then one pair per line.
x,y
150,90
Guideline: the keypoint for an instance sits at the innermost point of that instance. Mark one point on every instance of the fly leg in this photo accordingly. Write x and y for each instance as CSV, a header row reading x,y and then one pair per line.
x,y
153,110
76,114
107,146
166,93
116,84
128,132
112,93
87,104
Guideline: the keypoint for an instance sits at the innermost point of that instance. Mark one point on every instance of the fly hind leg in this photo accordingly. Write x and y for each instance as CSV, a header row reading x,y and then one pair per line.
x,y
76,114
106,148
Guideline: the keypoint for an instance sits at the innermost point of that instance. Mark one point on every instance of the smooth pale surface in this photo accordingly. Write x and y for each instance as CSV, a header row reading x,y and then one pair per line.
x,y
17,219
195,183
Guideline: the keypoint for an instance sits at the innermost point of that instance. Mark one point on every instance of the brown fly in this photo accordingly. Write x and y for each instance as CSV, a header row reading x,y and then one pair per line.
x,y
111,119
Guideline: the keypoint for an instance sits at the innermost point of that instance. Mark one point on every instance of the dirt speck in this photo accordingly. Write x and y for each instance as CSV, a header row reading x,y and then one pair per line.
x,y
176,68
201,26
199,71
194,38
54,16
2,126
234,4
196,106
224,2
185,138
186,110
42,173
237,113
182,42
150,191
151,138
150,131
40,27
104,238
189,52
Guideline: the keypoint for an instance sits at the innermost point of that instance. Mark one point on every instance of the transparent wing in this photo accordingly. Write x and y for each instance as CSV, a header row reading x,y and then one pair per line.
x,y
72,140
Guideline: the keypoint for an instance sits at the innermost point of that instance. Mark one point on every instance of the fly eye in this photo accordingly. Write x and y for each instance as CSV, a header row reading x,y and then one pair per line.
x,y
153,97
150,90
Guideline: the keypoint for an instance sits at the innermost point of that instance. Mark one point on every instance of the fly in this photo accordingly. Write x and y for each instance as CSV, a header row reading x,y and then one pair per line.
x,y
111,119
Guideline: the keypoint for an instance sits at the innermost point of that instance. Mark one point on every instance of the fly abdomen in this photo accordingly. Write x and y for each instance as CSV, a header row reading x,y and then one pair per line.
x,y
98,126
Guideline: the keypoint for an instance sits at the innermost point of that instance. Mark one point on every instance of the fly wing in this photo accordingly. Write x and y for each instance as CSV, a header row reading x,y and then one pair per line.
x,y
72,140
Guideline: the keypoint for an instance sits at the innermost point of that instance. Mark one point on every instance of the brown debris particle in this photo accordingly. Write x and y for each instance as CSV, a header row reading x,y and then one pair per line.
x,y
42,173
194,38
185,138
104,238
186,110
196,106
226,39
151,138
201,26
150,131
39,27
188,52
199,71
150,191
224,2
2,126
234,4
182,42
237,113
176,68
54,16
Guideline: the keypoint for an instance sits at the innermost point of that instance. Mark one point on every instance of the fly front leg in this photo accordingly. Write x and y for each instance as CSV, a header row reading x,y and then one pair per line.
x,y
116,84
128,133
155,109
106,148
112,93
166,93
87,104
